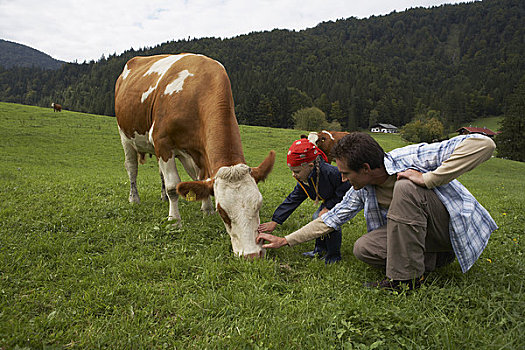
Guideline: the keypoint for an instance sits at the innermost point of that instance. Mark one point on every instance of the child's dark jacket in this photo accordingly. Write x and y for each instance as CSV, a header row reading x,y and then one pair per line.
x,y
331,190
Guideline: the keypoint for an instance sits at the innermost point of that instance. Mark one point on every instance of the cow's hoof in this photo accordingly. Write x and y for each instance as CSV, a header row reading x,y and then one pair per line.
x,y
207,212
134,200
175,223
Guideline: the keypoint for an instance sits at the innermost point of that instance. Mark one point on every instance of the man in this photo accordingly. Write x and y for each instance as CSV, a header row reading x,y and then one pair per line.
x,y
418,216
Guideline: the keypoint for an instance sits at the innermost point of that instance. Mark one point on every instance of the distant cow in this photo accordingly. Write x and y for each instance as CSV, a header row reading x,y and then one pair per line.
x,y
181,106
326,140
56,107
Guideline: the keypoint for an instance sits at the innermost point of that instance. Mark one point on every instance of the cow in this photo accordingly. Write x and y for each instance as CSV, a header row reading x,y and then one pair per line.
x,y
56,107
326,140
181,106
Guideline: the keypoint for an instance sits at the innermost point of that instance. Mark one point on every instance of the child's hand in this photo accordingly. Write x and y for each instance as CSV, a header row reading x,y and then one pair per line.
x,y
267,227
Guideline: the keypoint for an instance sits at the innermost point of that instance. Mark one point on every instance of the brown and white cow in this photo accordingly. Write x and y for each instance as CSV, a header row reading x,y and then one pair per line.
x,y
56,107
181,106
326,140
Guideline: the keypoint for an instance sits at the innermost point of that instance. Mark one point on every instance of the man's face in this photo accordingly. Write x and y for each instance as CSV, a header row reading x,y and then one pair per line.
x,y
358,179
302,172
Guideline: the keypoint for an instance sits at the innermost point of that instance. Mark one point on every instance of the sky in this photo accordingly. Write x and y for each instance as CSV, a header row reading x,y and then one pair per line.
x,y
84,30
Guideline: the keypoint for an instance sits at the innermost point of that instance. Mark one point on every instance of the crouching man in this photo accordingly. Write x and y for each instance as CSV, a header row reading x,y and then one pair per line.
x,y
418,216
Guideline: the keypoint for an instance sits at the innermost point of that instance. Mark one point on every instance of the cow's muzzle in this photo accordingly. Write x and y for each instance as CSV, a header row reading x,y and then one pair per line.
x,y
253,256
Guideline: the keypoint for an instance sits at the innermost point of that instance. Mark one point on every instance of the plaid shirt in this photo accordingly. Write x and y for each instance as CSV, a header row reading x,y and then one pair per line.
x,y
470,223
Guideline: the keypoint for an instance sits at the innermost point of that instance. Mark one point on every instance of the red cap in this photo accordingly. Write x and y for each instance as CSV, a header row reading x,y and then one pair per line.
x,y
303,151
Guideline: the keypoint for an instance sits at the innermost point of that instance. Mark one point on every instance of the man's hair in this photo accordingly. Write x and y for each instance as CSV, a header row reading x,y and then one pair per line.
x,y
358,148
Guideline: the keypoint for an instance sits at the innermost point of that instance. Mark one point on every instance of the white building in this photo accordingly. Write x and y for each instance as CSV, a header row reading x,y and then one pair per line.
x,y
385,128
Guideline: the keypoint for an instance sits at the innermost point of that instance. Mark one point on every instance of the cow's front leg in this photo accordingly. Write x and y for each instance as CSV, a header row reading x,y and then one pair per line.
x,y
207,206
193,170
163,194
171,180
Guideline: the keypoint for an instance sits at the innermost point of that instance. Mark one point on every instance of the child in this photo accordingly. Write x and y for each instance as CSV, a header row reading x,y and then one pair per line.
x,y
317,180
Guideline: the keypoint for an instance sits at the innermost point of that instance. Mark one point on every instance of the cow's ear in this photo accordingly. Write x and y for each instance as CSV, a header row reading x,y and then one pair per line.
x,y
195,190
313,137
261,172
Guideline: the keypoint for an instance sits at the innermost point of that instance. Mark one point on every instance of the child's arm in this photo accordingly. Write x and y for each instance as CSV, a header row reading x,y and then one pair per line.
x,y
287,207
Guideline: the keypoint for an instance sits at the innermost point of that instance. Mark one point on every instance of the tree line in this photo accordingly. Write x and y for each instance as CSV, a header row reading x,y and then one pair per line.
x,y
458,61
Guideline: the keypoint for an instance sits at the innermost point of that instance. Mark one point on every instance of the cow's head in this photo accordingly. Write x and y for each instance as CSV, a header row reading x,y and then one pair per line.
x,y
324,140
238,201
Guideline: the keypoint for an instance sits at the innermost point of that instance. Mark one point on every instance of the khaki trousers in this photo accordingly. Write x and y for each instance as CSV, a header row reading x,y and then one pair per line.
x,y
416,237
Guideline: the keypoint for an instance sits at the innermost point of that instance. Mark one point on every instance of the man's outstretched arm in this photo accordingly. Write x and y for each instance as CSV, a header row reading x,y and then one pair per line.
x,y
310,231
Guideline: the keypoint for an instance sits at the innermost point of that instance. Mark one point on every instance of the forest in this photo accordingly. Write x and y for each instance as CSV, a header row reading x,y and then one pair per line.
x,y
457,61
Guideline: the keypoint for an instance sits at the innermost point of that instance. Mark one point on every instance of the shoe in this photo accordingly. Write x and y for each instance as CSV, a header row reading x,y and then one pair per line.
x,y
330,259
313,253
310,254
397,285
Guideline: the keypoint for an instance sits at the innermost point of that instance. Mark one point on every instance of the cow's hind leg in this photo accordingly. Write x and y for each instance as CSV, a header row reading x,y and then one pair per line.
x,y
171,179
131,164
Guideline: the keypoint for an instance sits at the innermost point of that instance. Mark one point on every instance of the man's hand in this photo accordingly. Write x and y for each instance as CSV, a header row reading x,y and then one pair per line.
x,y
267,227
275,241
412,175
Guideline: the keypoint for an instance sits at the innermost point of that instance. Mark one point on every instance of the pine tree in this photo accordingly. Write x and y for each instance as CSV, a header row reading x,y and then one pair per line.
x,y
511,140
336,113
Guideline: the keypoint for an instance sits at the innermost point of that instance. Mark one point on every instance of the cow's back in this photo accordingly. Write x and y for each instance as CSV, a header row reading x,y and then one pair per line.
x,y
156,86
188,97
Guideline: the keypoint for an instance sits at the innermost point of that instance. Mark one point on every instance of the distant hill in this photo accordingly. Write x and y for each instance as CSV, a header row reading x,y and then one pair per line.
x,y
18,55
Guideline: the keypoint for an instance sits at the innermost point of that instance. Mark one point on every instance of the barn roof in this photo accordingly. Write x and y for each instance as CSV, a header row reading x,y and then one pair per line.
x,y
484,131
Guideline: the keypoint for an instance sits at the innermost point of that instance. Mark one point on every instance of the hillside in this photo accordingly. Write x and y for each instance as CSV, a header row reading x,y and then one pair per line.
x,y
460,60
17,55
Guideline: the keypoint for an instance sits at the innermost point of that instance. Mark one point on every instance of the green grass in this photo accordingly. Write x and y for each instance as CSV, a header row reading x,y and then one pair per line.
x,y
492,123
80,267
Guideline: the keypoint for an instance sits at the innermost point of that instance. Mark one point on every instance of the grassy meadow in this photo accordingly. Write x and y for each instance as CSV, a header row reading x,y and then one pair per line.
x,y
80,267
492,123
